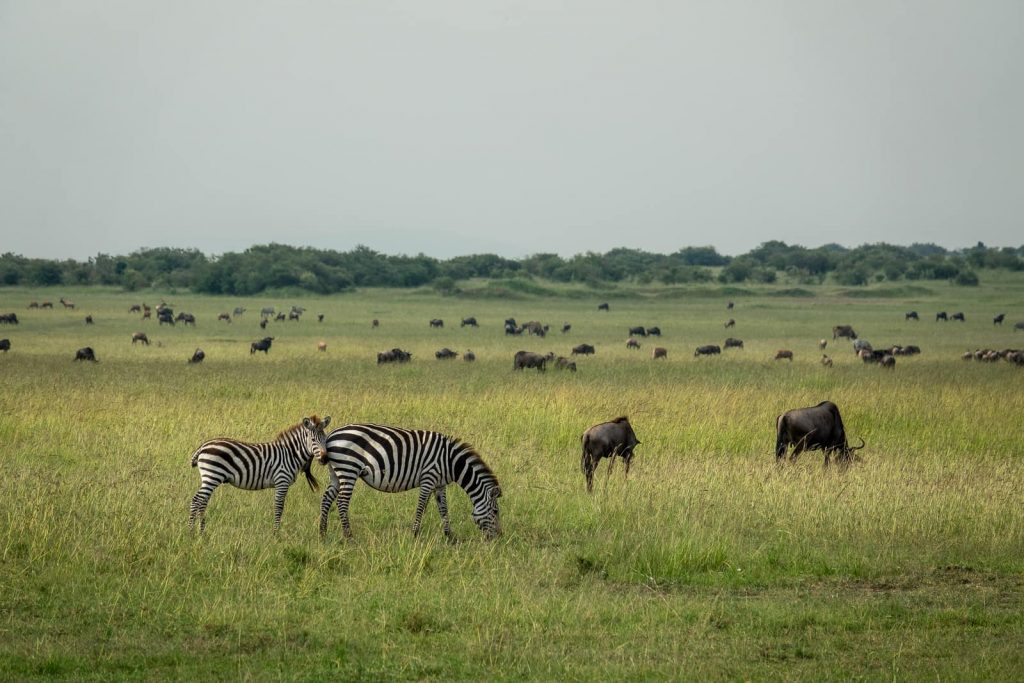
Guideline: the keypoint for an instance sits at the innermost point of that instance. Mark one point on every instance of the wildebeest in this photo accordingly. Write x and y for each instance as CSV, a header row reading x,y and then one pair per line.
x,y
707,350
9,318
941,315
445,354
958,316
1018,326
861,345
319,317
374,324
511,321
469,356
730,323
280,317
294,315
238,311
66,303
5,345
88,320
86,353
226,317
261,345
563,363
46,304
197,357
135,308
816,428
653,331
512,329
733,343
437,322
998,320
321,346
140,337
632,343
784,354
659,352
535,327
165,317
186,319
843,331
641,330
266,311
471,321
35,304
826,361
395,355
729,306
583,350
602,307
566,327
607,440
263,323
888,361
908,350
912,315
528,359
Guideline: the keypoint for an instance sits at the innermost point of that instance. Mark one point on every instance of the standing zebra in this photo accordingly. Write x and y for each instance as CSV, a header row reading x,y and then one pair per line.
x,y
391,459
254,466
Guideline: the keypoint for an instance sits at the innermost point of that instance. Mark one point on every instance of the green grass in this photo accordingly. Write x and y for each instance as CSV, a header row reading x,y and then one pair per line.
x,y
710,563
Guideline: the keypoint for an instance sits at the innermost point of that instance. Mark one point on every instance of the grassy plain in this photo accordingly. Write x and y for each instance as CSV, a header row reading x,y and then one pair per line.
x,y
710,563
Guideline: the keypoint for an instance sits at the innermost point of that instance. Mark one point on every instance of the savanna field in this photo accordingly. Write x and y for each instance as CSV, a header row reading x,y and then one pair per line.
x,y
711,562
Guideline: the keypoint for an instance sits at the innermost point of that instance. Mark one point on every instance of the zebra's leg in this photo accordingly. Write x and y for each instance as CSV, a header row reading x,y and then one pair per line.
x,y
330,494
442,508
280,491
199,503
345,487
421,505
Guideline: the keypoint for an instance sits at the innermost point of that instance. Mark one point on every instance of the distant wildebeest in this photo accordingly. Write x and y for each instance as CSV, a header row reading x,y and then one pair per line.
x,y
528,359
46,304
86,353
226,317
395,355
321,346
733,343
707,350
88,320
908,350
238,310
582,350
730,323
33,304
197,357
319,317
437,322
912,315
998,320
958,316
641,330
659,352
563,363
263,323
9,319
653,331
566,327
469,356
266,311
861,345
888,361
186,319
632,343
471,321
5,345
445,354
941,315
602,307
826,361
511,321
280,317
729,306
165,318
784,354
135,308
147,313
1018,326
843,331
607,440
868,356
822,343
261,345
294,315
140,337
816,428
512,329
374,324
536,328
66,303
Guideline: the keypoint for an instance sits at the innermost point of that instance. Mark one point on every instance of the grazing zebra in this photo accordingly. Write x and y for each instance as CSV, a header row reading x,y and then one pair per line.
x,y
391,459
254,466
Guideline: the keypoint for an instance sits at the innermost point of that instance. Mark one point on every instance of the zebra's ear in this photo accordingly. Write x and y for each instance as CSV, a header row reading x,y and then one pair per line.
x,y
327,421
306,423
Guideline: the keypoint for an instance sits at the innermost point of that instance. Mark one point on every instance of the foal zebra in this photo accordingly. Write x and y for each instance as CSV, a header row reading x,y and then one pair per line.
x,y
391,459
254,466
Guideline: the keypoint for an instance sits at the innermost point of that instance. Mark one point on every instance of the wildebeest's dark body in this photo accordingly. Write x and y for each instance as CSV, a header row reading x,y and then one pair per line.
x,y
5,345
941,315
197,357
582,350
607,440
261,345
86,353
602,307
445,354
471,321
639,330
654,331
566,327
1018,326
395,355
528,359
437,322
733,343
816,428
9,318
707,350
998,320
912,315
843,331
958,316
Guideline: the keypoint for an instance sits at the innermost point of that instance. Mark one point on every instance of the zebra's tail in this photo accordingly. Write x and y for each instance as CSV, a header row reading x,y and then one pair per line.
x,y
195,457
314,485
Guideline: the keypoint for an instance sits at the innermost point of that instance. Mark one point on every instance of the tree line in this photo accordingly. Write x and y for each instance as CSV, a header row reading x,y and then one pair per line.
x,y
325,271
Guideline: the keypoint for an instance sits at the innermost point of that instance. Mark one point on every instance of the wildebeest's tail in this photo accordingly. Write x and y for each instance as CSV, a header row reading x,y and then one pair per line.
x,y
314,485
781,439
583,458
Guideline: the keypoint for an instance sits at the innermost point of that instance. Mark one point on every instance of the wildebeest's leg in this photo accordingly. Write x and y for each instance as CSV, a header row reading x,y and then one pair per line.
x,y
442,508
628,458
781,438
588,465
280,491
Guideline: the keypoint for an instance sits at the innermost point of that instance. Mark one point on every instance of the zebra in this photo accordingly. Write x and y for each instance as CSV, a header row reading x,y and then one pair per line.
x,y
254,466
392,459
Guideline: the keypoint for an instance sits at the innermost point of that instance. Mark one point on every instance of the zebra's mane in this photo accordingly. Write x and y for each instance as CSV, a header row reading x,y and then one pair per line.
x,y
478,462
288,431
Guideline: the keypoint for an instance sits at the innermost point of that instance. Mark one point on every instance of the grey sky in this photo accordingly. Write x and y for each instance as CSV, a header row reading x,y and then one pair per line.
x,y
455,127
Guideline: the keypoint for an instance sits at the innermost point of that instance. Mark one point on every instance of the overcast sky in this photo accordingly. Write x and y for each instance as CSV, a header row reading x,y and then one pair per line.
x,y
516,127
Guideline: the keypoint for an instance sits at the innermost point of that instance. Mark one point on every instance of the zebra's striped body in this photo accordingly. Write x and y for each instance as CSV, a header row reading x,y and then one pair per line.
x,y
391,459
254,466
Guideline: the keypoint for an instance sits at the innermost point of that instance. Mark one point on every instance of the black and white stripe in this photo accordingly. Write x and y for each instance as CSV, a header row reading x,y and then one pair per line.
x,y
254,466
391,459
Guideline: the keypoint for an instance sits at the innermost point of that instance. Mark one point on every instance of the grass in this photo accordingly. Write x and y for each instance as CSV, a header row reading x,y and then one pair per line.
x,y
710,563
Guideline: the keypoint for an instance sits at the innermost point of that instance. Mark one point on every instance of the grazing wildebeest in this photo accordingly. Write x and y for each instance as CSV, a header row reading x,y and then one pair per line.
x,y
321,346
582,350
186,319
784,353
607,440
888,361
374,324
998,320
843,331
512,330
9,318
263,323
86,353
912,315
471,321
566,327
469,356
445,354
88,320
958,316
563,363
707,350
730,323
294,315
733,343
867,355
602,307
535,327
729,306
319,317
659,352
826,361
816,428
1018,326
66,303
822,343
632,343
46,304
941,315
266,311
395,355
261,345
238,311
5,345
165,318
197,357
135,308
140,337
528,359
908,350
641,330
653,331
280,317
437,322
33,304
226,317
511,321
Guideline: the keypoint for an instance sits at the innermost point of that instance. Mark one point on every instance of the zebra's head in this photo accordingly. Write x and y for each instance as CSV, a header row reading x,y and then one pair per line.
x,y
316,436
485,510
